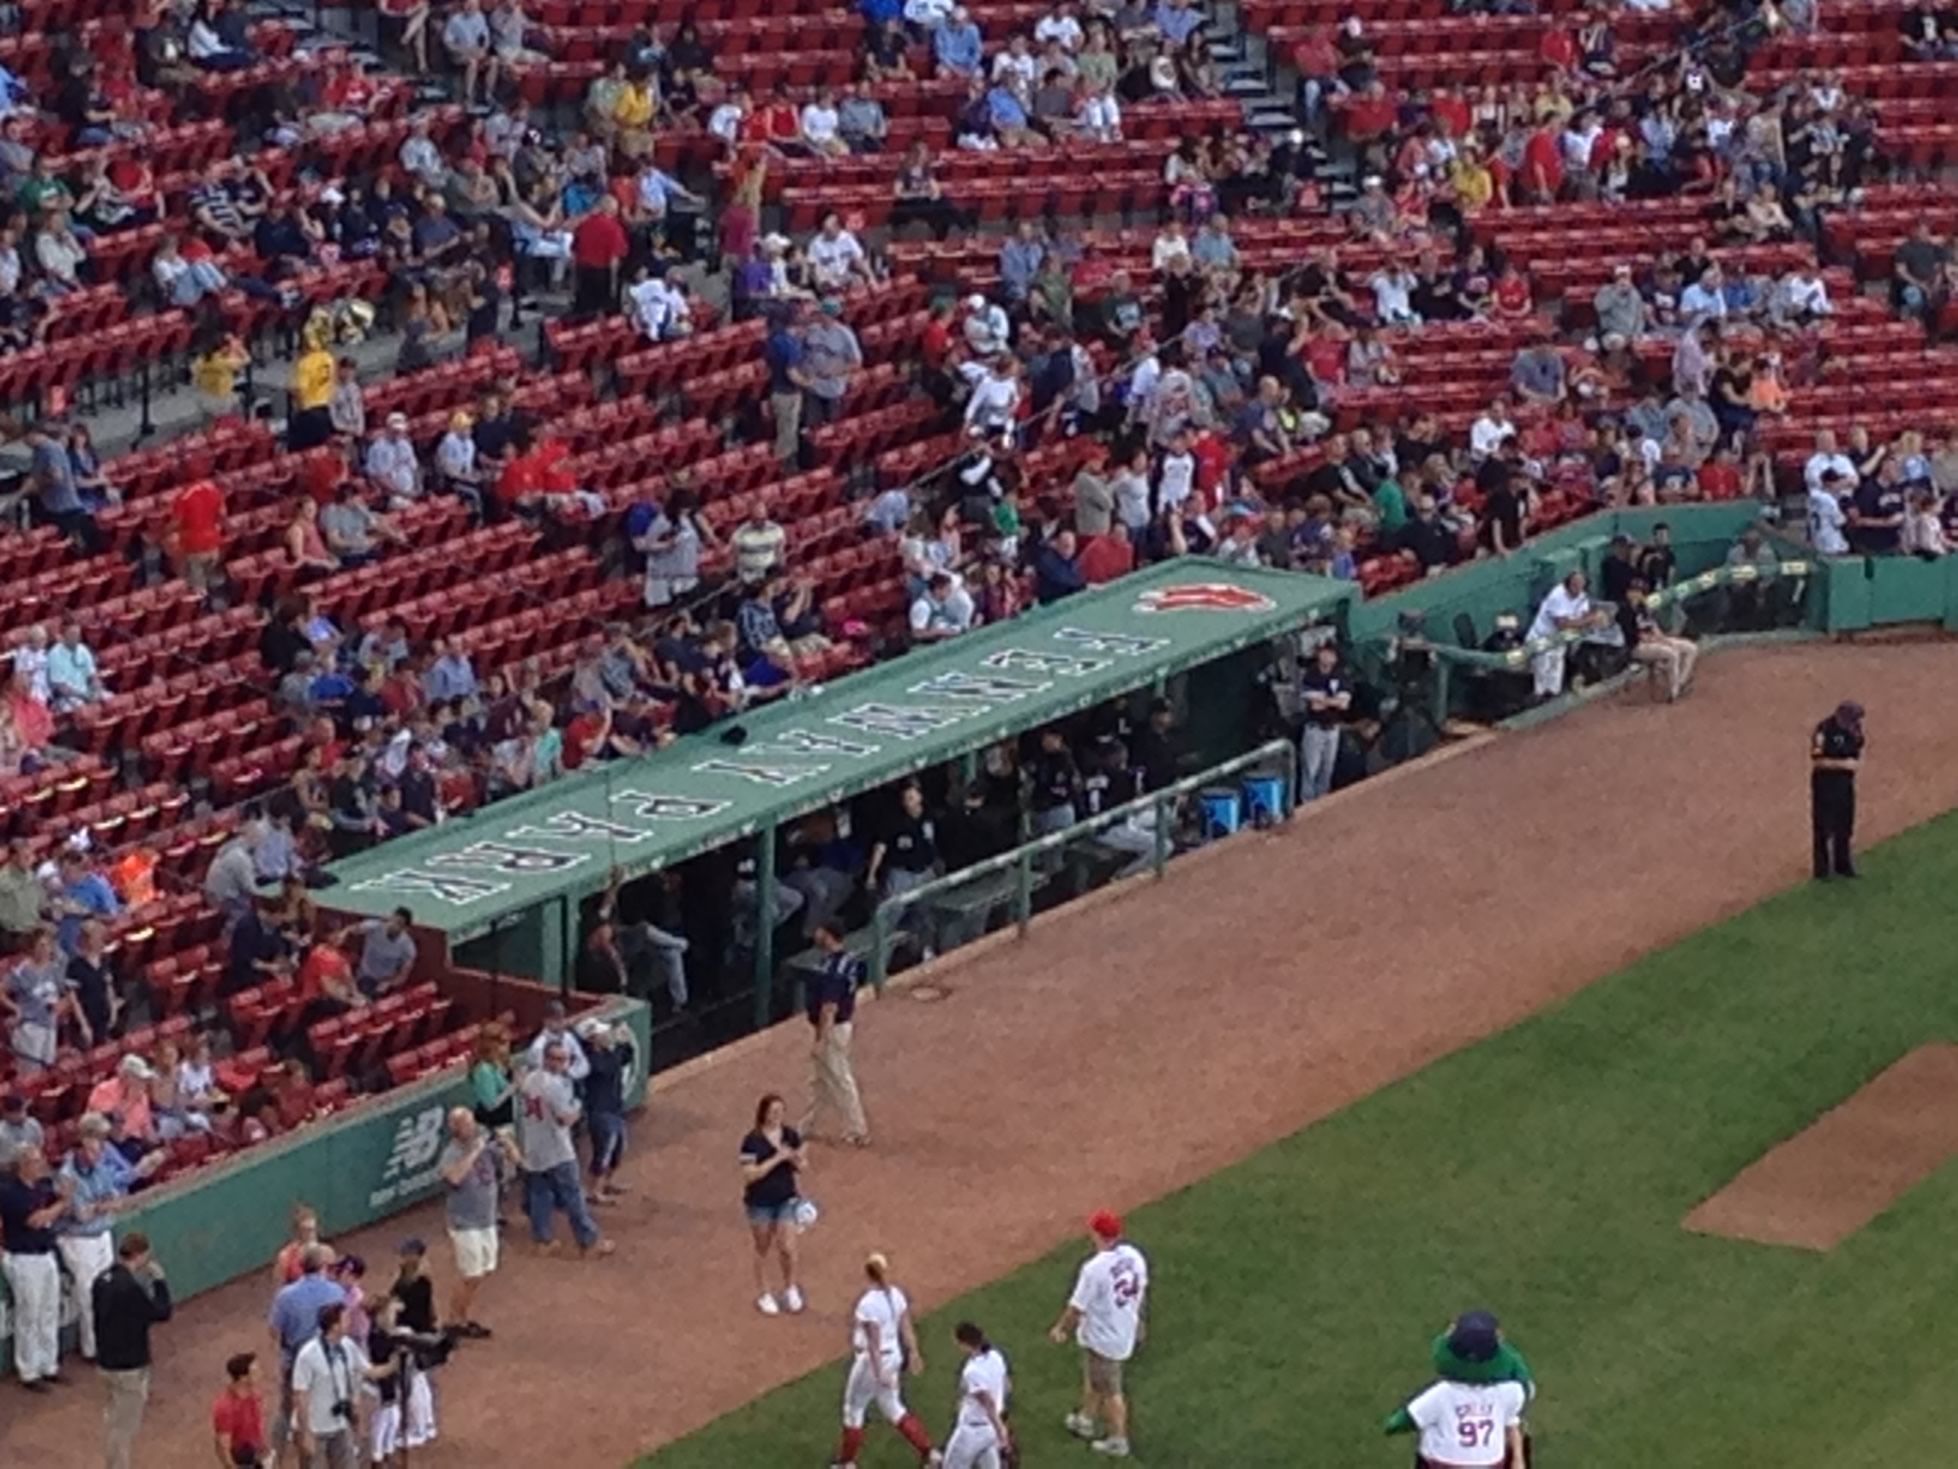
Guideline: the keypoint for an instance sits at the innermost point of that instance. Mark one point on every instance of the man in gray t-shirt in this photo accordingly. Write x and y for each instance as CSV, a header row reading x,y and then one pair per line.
x,y
469,1165
387,952
547,1109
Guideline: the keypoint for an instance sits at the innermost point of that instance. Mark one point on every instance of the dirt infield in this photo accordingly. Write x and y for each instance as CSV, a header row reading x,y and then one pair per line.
x,y
1818,1188
1130,1048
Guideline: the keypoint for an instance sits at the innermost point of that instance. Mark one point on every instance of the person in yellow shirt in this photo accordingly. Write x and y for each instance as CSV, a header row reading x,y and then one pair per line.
x,y
1471,180
214,373
632,114
311,421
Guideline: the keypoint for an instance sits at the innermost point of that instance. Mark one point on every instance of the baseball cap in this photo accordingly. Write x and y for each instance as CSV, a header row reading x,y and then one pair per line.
x,y
1475,1336
397,420
590,1027
413,1245
135,1066
1105,1224
1849,712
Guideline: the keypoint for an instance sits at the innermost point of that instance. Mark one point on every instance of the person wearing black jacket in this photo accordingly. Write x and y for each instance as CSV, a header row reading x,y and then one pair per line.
x,y
128,1299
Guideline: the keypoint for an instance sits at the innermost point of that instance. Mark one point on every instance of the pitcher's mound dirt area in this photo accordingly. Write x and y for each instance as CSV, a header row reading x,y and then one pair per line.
x,y
1818,1188
1126,1050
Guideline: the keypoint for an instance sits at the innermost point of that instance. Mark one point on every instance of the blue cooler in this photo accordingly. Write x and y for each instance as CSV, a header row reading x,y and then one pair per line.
x,y
1222,813
1264,799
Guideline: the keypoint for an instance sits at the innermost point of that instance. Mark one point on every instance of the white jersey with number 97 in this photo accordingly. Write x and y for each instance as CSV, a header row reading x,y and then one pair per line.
x,y
1108,1293
1465,1424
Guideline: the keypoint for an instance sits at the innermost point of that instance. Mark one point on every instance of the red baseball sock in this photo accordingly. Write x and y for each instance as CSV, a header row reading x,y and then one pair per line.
x,y
915,1435
846,1452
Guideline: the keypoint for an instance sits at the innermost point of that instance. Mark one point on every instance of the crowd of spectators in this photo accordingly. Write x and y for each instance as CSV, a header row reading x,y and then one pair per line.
x,y
1097,409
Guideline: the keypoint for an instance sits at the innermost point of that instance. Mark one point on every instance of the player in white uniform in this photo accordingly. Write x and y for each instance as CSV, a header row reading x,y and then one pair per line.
x,y
883,1346
1466,1425
980,1437
1104,1315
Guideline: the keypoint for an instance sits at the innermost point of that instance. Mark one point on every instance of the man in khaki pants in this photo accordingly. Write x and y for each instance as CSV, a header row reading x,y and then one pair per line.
x,y
128,1299
832,1005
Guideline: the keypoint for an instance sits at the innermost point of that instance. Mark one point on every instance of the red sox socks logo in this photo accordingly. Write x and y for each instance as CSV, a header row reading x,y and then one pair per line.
x,y
1207,596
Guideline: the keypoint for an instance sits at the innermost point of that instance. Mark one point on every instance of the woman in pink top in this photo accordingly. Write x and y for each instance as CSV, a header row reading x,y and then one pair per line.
x,y
127,1094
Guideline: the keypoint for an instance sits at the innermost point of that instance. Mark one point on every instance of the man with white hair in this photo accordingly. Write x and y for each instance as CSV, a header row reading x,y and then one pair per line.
x,y
547,1110
31,661
987,331
391,463
97,1180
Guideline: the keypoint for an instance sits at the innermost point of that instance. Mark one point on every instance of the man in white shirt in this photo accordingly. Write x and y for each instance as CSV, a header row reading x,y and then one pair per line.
x,y
822,125
943,610
659,308
1466,1425
391,463
1176,476
836,258
1487,432
467,39
329,1378
1060,24
1104,1317
1825,516
73,678
1800,296
1566,608
986,327
1828,459
995,399
1393,296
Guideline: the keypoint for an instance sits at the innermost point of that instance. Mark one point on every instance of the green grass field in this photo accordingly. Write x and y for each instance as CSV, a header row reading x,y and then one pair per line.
x,y
1542,1174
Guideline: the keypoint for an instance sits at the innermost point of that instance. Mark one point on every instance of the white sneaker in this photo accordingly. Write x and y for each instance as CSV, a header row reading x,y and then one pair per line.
x,y
1080,1425
1114,1448
792,1299
766,1305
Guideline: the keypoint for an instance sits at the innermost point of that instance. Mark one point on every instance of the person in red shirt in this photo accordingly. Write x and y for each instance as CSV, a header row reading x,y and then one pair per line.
x,y
1104,557
599,246
197,531
1559,48
238,1415
1511,294
1543,166
326,982
1720,477
1451,115
1316,61
780,122
1370,114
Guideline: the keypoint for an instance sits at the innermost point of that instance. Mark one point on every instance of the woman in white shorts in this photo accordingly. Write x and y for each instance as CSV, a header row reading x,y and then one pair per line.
x,y
884,1346
980,1439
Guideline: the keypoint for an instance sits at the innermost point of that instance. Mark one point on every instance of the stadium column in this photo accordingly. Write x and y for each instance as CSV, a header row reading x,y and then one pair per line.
x,y
765,927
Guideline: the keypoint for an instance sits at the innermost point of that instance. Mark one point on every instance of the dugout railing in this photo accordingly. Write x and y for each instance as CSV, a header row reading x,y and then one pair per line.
x,y
964,903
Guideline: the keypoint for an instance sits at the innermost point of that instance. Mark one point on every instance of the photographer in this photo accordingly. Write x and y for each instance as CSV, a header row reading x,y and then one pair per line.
x,y
404,1354
326,1380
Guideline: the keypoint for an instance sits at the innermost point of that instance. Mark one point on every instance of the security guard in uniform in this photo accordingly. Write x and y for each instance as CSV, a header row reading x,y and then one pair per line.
x,y
1835,754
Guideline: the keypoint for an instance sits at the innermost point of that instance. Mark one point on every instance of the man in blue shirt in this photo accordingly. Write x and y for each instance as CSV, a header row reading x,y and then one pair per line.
x,y
84,894
1177,21
1019,261
832,1006
295,1320
55,491
957,46
97,1179
786,380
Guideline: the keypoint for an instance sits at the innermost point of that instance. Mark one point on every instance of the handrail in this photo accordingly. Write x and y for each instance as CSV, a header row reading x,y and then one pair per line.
x,y
1693,586
1020,859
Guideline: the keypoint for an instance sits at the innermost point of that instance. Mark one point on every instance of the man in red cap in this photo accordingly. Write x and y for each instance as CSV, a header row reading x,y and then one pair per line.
x,y
1104,1317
